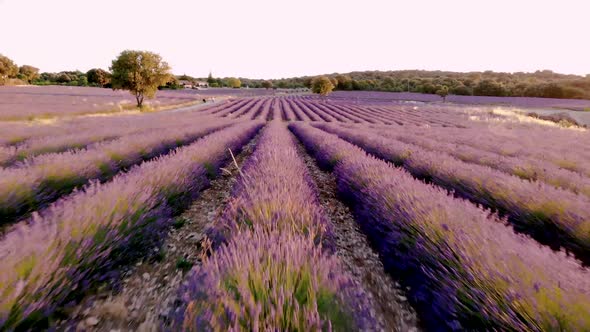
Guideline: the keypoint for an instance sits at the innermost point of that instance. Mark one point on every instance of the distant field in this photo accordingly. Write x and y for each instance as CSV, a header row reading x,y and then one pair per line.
x,y
30,102
373,96
26,102
358,211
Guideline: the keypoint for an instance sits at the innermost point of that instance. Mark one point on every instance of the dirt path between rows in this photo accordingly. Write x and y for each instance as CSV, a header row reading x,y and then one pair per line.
x,y
354,251
148,296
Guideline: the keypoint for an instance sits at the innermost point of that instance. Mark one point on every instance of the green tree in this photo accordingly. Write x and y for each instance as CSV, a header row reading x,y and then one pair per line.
x,y
139,72
98,76
173,83
29,73
344,82
210,79
489,88
7,69
82,81
63,77
234,82
443,92
322,85
267,84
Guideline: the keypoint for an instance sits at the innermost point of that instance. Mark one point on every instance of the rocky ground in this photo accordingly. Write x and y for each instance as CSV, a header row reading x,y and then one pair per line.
x,y
391,307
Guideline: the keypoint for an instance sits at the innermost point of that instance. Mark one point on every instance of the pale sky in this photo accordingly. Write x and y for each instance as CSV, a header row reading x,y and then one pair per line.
x,y
274,39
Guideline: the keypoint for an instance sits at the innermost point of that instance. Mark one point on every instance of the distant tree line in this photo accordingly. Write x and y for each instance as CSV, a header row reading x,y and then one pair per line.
x,y
538,84
12,74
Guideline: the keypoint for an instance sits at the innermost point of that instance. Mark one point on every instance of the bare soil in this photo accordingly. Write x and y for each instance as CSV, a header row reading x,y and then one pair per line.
x,y
391,307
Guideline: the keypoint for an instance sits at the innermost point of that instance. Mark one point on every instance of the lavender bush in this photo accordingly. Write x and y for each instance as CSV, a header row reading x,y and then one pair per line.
x,y
551,215
233,104
77,135
303,111
465,269
233,113
525,168
83,238
265,281
37,134
298,114
44,178
273,273
563,148
275,192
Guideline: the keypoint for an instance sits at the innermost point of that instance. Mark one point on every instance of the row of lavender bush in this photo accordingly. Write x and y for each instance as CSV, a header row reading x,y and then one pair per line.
x,y
290,112
11,155
525,168
552,215
81,134
561,147
46,177
81,239
19,133
418,115
272,274
232,104
246,109
439,115
465,269
244,105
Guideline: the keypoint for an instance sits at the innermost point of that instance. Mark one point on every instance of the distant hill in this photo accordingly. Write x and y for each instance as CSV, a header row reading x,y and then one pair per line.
x,y
543,83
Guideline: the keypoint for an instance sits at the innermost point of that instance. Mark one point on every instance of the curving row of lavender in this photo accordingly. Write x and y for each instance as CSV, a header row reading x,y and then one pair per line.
x,y
273,274
563,148
19,134
525,168
465,269
44,178
79,135
552,215
82,239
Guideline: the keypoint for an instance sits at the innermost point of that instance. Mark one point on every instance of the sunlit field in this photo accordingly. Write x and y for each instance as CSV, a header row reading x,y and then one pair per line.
x,y
285,210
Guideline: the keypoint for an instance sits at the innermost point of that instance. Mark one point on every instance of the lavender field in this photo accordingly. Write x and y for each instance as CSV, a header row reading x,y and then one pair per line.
x,y
281,211
25,103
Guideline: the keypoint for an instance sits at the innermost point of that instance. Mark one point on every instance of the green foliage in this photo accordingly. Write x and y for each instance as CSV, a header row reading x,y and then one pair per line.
x,y
139,72
344,82
443,92
82,81
179,223
173,84
462,90
233,82
183,264
29,73
322,85
8,69
64,78
97,76
211,80
490,88
538,84
267,84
